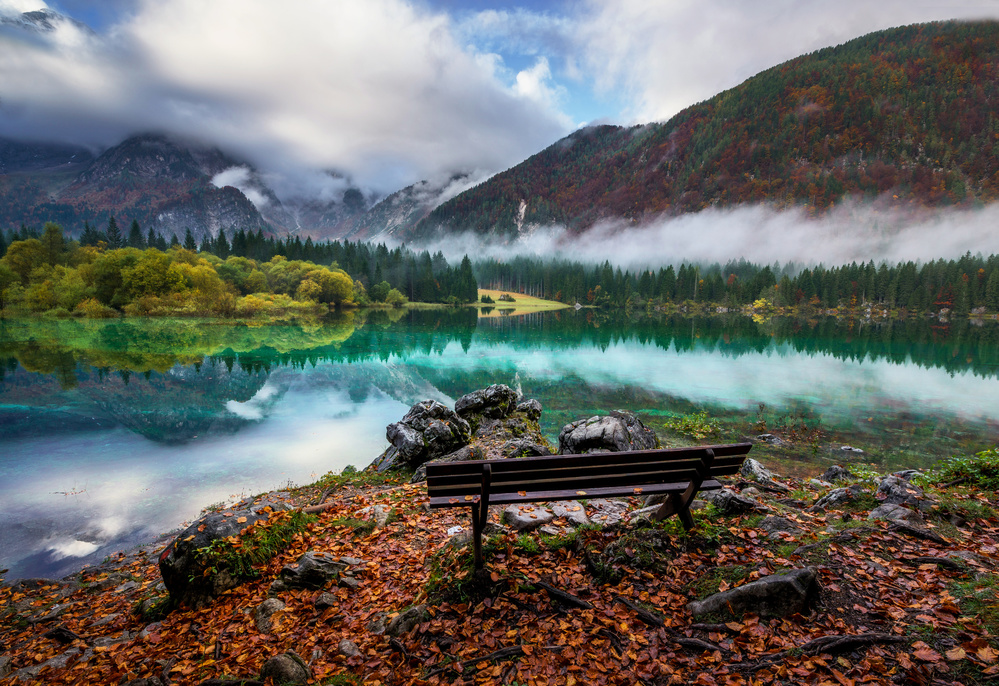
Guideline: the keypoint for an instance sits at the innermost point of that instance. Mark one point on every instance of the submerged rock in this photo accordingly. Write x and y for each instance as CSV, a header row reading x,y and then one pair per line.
x,y
616,432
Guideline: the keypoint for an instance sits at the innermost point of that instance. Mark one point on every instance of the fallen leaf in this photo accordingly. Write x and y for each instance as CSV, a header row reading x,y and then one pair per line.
x,y
580,492
468,497
521,492
495,577
956,654
241,520
638,490
986,654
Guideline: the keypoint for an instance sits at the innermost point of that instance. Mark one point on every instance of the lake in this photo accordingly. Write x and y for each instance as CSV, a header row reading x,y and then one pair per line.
x,y
113,432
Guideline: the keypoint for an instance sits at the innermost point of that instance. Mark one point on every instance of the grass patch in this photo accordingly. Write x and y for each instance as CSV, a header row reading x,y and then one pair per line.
x,y
358,527
333,482
258,544
452,577
716,580
696,426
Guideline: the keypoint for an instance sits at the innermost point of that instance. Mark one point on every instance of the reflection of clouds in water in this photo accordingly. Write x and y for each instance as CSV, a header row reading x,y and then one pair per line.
x,y
778,375
253,409
136,489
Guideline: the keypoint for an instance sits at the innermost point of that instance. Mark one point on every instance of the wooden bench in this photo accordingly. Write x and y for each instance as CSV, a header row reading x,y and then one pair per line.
x,y
678,472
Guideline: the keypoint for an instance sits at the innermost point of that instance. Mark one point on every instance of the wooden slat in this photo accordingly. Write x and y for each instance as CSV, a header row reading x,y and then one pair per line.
x,y
553,495
558,461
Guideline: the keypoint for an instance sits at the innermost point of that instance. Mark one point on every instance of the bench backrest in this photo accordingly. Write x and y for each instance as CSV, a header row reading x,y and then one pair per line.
x,y
534,477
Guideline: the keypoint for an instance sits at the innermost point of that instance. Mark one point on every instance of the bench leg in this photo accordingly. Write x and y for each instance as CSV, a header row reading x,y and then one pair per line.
x,y
477,521
675,505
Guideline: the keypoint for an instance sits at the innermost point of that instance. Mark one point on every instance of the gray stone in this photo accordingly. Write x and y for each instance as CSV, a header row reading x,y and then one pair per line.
x,y
106,619
349,582
770,439
288,669
837,497
496,401
464,453
378,623
325,601
851,449
754,471
60,661
836,473
428,431
348,648
184,569
149,681
892,512
526,517
616,432
777,595
894,490
606,512
5,665
379,514
404,622
819,483
773,526
907,474
750,492
312,570
728,502
463,539
264,612
532,408
573,512
523,447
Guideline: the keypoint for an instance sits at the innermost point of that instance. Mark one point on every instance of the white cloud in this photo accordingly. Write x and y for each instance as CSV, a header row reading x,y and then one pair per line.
x,y
15,7
380,89
241,178
669,55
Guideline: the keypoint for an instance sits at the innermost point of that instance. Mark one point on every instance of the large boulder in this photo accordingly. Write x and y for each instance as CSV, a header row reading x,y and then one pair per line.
x,y
187,574
428,431
468,452
896,490
496,401
314,571
616,432
286,669
777,595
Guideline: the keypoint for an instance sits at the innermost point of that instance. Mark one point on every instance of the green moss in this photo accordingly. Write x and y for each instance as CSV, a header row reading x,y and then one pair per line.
x,y
240,556
711,582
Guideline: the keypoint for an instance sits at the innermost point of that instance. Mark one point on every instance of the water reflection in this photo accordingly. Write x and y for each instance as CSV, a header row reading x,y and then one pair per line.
x,y
111,432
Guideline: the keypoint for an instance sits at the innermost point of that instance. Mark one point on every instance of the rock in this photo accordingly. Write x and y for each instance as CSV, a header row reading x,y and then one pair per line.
x,y
325,601
377,513
60,661
836,497
836,473
573,512
606,512
348,648
5,665
777,595
773,526
496,401
183,568
264,612
428,431
288,669
313,571
526,517
531,408
896,513
754,471
907,474
523,447
467,452
750,492
150,681
231,682
378,623
463,538
894,490
729,502
851,449
405,622
770,438
616,432
819,483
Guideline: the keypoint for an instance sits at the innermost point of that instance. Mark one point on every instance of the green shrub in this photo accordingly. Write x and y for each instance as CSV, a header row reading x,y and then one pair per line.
x,y
696,426
981,470
261,541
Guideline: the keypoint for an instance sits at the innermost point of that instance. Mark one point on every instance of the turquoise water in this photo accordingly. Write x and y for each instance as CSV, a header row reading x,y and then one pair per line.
x,y
114,432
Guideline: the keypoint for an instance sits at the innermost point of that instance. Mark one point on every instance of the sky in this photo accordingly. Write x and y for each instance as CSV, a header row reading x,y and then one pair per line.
x,y
389,92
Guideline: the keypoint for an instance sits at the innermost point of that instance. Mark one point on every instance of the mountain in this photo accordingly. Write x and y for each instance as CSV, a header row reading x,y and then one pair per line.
x,y
907,115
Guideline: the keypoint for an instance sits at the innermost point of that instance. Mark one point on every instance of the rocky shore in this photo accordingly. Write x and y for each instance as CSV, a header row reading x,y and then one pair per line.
x,y
848,577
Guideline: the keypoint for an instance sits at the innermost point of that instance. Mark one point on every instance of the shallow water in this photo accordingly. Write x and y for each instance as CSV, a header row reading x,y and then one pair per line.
x,y
114,432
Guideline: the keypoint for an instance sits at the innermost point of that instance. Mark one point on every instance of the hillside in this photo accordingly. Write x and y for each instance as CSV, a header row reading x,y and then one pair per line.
x,y
906,114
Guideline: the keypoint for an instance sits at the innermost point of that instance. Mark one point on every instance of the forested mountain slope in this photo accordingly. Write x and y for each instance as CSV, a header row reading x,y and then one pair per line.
x,y
908,114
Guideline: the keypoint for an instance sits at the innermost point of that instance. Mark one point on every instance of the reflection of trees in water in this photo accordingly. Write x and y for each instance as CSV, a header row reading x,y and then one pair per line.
x,y
61,348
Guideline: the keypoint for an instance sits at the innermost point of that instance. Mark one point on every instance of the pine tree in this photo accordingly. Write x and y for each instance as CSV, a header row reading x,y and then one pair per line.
x,y
113,234
189,242
221,247
135,239
206,244
174,241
